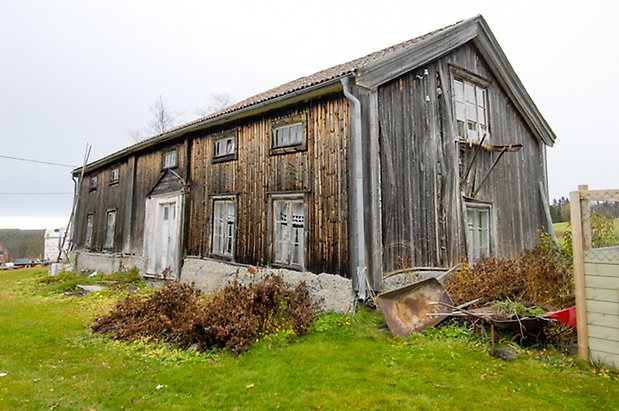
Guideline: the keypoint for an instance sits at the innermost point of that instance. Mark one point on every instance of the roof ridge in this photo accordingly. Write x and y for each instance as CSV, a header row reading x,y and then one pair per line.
x,y
309,80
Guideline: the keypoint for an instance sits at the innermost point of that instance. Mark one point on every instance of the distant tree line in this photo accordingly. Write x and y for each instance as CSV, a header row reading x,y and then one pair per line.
x,y
560,209
21,243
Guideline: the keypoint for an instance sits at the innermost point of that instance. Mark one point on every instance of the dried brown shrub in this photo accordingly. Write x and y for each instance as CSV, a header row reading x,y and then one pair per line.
x,y
540,276
233,318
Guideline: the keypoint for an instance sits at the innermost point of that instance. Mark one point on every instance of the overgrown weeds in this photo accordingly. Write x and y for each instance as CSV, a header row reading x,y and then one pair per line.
x,y
540,276
233,318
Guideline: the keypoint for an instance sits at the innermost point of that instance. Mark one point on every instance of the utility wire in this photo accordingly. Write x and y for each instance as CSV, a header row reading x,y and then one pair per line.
x,y
34,194
38,161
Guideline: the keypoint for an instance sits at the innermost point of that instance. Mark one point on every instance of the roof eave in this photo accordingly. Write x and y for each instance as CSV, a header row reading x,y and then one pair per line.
x,y
321,89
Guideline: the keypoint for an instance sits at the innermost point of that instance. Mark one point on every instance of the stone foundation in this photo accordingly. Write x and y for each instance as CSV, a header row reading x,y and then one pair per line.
x,y
335,292
107,263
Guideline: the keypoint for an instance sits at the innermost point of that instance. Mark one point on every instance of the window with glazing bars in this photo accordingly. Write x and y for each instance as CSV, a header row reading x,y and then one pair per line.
x,y
478,231
288,135
110,227
224,217
289,232
89,230
169,159
471,104
225,147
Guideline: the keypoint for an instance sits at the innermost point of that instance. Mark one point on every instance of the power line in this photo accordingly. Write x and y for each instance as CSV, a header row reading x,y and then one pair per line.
x,y
34,194
38,161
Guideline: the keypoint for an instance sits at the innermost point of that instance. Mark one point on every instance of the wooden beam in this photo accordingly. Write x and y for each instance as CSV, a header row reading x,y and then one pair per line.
x,y
600,195
579,274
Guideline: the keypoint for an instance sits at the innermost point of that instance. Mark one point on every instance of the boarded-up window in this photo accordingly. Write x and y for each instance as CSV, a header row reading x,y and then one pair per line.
x,y
89,229
225,148
471,104
289,232
224,217
110,226
478,231
169,159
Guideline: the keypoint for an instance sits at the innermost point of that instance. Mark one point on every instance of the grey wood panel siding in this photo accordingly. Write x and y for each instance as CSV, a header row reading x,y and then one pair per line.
x,y
422,222
148,172
319,172
107,196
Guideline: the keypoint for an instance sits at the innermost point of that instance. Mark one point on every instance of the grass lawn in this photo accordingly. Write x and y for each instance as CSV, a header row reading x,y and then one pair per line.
x,y
51,360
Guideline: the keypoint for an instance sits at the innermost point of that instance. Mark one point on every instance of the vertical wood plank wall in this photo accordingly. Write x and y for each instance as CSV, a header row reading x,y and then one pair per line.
x,y
422,214
320,173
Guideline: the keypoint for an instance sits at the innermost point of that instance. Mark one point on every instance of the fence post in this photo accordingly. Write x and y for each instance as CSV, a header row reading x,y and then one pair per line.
x,y
576,214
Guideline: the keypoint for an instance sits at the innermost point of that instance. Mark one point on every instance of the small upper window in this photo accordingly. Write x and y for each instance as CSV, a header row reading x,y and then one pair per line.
x,y
471,102
169,159
114,175
225,148
92,185
289,135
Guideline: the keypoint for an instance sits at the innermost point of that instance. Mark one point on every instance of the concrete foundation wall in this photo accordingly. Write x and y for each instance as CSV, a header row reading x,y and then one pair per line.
x,y
107,263
334,292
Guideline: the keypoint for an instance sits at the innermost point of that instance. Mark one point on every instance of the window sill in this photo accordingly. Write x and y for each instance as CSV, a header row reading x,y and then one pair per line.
x,y
223,159
287,149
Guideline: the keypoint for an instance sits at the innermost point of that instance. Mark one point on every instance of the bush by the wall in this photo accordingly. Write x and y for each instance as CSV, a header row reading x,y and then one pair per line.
x,y
233,318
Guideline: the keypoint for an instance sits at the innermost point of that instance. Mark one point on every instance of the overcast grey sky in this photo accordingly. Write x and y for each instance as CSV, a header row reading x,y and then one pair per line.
x,y
77,71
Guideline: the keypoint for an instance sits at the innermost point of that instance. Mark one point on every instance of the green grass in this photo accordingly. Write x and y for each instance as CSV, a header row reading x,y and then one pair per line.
x,y
52,360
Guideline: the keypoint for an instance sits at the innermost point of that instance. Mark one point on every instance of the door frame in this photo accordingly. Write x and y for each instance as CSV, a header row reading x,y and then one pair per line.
x,y
152,231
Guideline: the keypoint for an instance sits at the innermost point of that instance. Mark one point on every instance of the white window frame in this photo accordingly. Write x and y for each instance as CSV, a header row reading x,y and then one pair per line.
x,y
89,230
471,107
92,183
289,231
169,159
224,148
479,228
288,135
224,227
114,175
110,229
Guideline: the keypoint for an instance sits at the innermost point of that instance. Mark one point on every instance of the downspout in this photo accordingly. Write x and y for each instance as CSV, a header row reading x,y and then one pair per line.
x,y
357,201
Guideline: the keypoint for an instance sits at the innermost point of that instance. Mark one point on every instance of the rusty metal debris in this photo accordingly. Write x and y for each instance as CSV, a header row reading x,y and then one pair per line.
x,y
407,309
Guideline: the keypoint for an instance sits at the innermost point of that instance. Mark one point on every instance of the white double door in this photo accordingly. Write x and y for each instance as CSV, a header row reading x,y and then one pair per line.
x,y
162,233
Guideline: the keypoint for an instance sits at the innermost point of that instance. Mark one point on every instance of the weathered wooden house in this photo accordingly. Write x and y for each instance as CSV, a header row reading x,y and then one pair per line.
x,y
422,154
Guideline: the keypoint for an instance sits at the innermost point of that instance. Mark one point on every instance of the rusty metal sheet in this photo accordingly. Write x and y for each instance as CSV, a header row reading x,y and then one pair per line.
x,y
406,309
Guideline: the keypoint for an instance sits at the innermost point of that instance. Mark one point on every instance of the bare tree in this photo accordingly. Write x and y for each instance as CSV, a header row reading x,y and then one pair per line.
x,y
164,119
215,102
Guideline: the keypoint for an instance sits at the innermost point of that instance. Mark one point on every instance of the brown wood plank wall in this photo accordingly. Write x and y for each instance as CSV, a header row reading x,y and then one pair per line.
x,y
320,173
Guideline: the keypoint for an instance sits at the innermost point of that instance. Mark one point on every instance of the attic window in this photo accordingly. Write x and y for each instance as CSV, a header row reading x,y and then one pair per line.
x,y
225,148
289,135
471,106
169,159
114,175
